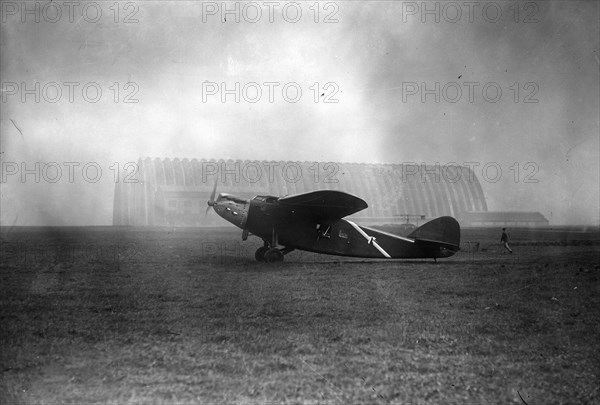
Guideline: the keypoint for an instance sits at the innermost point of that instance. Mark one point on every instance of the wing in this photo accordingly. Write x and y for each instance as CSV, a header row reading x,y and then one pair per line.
x,y
323,204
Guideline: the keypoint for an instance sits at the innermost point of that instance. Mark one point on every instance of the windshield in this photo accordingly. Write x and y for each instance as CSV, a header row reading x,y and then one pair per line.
x,y
227,197
265,198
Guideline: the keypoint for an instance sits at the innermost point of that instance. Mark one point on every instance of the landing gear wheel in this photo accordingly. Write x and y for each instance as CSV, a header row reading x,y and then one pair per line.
x,y
273,255
260,253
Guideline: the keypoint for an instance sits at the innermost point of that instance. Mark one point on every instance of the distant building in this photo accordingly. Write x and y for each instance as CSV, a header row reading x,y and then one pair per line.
x,y
502,219
180,205
175,191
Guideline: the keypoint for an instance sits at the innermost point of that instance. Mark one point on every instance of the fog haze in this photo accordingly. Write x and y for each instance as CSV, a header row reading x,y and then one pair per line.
x,y
376,57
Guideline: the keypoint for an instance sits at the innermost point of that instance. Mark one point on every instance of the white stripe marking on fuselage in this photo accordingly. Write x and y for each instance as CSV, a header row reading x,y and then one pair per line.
x,y
391,235
370,239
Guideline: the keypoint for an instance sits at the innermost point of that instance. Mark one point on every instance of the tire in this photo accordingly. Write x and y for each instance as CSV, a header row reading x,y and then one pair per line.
x,y
260,253
273,255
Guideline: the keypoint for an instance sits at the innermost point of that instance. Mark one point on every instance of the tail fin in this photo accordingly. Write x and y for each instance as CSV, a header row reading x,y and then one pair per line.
x,y
444,230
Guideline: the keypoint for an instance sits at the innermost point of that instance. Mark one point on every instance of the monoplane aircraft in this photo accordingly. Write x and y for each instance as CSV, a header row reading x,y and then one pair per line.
x,y
314,221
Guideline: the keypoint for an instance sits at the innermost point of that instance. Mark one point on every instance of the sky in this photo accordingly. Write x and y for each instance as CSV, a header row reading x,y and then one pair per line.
x,y
510,88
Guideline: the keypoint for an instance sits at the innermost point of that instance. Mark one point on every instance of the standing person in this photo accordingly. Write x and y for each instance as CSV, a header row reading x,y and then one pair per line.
x,y
504,239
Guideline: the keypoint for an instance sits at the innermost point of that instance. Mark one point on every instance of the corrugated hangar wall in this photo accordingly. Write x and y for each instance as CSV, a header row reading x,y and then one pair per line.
x,y
175,191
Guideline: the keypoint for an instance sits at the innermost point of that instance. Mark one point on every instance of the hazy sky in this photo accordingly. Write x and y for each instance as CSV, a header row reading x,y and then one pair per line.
x,y
513,85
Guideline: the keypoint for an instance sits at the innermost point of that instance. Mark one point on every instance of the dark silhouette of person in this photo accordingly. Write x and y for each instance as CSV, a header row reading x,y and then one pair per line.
x,y
504,240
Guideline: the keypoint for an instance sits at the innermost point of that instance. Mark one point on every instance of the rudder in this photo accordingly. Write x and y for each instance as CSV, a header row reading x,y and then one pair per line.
x,y
443,230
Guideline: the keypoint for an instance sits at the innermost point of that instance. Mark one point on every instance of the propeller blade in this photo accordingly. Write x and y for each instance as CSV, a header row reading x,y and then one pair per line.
x,y
211,202
212,195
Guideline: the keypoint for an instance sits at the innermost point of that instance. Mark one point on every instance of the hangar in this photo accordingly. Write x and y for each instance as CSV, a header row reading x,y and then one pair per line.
x,y
502,218
174,192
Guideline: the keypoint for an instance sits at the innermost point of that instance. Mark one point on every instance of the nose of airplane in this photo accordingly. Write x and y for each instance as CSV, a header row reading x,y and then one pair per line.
x,y
232,211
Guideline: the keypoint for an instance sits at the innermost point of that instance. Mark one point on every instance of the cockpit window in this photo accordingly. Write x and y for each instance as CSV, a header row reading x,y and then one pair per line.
x,y
226,197
266,198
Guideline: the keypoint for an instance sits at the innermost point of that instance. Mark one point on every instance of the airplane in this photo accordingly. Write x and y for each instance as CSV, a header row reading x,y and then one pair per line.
x,y
314,221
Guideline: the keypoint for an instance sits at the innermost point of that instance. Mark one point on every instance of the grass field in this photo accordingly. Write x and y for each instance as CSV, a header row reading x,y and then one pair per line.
x,y
109,315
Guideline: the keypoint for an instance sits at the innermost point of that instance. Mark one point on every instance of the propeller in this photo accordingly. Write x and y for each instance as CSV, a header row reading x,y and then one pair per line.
x,y
211,202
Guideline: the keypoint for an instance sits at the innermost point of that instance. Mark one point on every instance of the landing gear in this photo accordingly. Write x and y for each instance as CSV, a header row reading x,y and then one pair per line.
x,y
273,255
260,253
269,252
269,255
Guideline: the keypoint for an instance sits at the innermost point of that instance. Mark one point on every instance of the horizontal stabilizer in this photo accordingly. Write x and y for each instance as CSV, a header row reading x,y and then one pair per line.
x,y
445,230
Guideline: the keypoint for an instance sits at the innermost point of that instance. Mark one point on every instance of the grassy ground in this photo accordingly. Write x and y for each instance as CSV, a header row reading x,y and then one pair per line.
x,y
116,316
